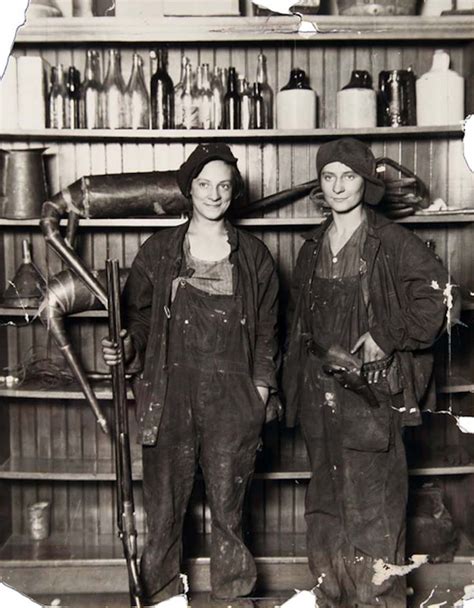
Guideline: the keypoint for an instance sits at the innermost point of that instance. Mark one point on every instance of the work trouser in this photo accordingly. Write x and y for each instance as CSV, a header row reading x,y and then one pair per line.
x,y
213,416
356,498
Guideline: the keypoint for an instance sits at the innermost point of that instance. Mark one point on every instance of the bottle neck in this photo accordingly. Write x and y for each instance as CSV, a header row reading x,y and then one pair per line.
x,y
262,70
232,81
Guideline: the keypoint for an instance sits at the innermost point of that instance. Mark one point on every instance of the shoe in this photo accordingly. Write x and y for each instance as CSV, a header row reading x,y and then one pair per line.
x,y
177,601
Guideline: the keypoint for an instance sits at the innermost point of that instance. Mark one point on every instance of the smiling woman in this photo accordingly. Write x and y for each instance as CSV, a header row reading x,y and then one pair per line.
x,y
201,307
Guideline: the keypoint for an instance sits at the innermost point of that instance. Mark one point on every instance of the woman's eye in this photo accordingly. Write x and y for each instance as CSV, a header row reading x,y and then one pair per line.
x,y
225,187
202,184
350,176
327,178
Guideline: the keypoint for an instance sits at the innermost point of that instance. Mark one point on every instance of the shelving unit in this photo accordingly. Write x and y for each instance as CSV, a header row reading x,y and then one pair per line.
x,y
50,446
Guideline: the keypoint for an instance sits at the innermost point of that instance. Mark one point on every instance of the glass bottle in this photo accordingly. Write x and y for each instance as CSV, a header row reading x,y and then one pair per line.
x,y
232,102
258,108
57,99
162,94
114,93
188,101
217,91
91,93
178,93
204,98
73,87
266,91
137,99
245,103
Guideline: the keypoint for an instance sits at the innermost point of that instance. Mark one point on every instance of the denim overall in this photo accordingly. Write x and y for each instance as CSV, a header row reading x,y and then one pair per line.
x,y
356,498
213,415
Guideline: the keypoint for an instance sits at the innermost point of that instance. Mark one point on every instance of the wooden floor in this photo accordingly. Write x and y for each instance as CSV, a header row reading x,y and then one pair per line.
x,y
444,597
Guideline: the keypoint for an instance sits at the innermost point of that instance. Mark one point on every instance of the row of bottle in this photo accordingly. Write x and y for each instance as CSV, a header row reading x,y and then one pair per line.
x,y
225,100
200,100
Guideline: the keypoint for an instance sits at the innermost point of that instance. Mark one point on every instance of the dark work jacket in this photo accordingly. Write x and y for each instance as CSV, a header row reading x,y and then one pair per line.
x,y
147,304
405,289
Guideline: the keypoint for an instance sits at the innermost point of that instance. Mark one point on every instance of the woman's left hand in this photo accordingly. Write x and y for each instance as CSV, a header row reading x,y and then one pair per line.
x,y
370,351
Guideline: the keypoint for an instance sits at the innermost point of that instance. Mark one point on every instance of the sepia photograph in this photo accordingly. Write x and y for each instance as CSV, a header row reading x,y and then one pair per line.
x,y
237,304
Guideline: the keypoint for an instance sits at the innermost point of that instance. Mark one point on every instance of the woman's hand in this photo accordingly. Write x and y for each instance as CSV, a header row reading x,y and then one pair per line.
x,y
370,351
112,353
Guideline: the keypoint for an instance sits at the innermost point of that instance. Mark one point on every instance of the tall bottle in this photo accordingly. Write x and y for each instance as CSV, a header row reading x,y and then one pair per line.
x,y
245,103
188,101
162,94
204,97
91,93
257,108
265,90
114,93
57,99
217,99
73,87
137,99
178,93
232,102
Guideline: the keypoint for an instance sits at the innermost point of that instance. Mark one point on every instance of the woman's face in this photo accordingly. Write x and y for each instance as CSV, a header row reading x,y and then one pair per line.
x,y
343,189
211,190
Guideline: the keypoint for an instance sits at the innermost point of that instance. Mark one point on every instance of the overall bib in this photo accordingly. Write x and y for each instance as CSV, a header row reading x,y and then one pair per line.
x,y
213,415
355,502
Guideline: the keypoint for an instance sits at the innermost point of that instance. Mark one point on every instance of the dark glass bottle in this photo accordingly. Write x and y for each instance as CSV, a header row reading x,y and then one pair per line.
x,y
162,94
266,91
258,108
91,93
73,87
232,102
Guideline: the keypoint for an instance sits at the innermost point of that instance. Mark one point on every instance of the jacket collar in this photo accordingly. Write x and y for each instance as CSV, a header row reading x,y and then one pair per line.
x,y
375,221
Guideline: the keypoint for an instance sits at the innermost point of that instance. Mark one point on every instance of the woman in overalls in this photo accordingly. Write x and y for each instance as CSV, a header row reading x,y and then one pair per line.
x,y
201,314
368,305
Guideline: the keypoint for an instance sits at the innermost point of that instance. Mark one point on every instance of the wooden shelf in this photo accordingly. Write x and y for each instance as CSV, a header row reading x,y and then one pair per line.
x,y
48,469
32,312
456,216
260,135
456,385
75,549
71,31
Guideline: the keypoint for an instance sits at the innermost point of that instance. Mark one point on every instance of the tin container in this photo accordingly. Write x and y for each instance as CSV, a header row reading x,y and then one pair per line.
x,y
39,515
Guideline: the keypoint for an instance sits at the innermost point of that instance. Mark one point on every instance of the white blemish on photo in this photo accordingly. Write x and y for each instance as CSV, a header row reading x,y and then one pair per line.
x,y
12,16
383,571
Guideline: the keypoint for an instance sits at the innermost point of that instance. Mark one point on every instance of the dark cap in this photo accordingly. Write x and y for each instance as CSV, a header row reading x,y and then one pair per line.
x,y
359,158
199,157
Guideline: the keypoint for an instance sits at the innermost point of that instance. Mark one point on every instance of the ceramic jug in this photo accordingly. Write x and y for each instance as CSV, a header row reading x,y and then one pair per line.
x,y
23,185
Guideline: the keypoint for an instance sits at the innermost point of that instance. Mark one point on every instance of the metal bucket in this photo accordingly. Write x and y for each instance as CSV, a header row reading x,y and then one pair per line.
x,y
23,186
377,7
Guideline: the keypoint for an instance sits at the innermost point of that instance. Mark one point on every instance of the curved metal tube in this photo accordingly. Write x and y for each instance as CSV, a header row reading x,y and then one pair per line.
x,y
108,196
66,294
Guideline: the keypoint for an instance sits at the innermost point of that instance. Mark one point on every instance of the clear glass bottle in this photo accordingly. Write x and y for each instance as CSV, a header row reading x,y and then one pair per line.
x,y
73,87
217,91
188,101
204,98
266,91
258,108
57,99
114,93
91,93
137,98
245,103
178,93
162,94
232,102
